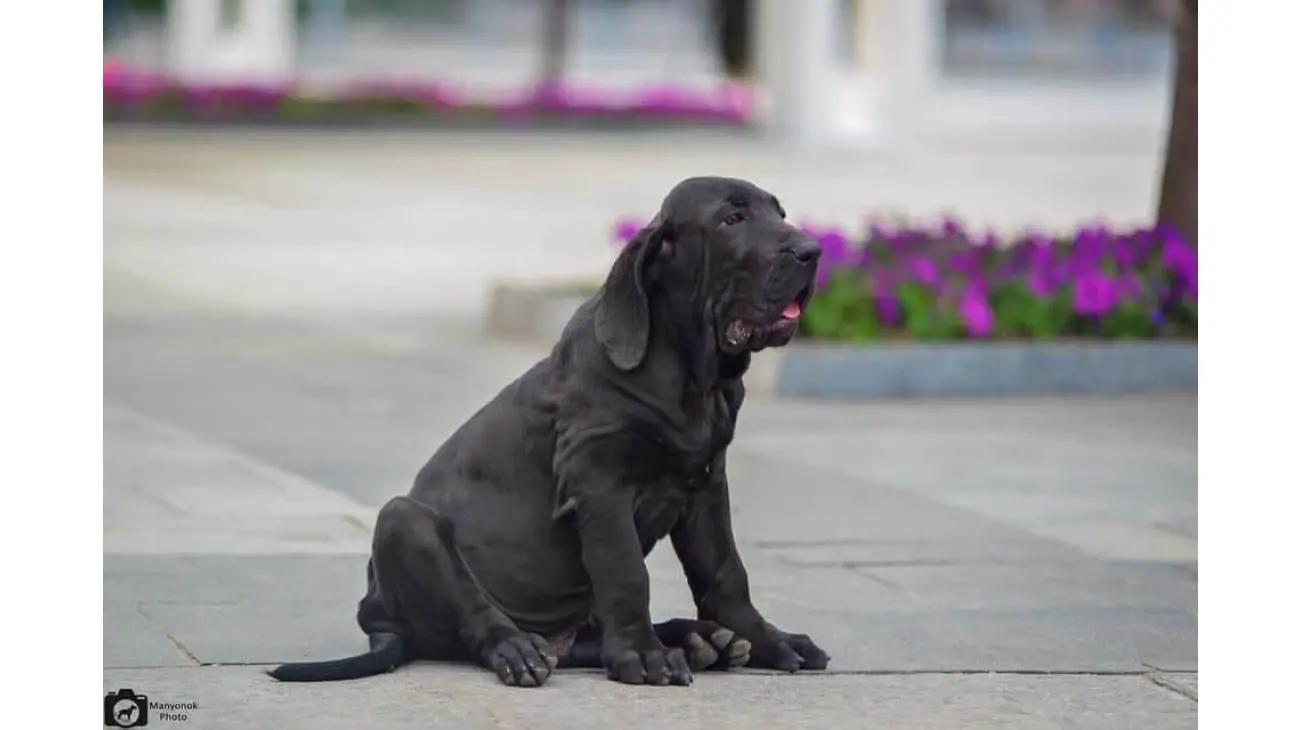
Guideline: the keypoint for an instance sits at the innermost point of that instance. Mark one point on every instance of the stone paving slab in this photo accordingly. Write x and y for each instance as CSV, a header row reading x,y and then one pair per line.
x,y
133,639
188,475
1122,491
428,696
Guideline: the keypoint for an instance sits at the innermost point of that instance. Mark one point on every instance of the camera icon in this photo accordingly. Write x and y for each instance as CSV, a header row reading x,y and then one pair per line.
x,y
125,708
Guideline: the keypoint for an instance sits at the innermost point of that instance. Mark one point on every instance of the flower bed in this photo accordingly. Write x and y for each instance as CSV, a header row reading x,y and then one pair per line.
x,y
944,282
134,94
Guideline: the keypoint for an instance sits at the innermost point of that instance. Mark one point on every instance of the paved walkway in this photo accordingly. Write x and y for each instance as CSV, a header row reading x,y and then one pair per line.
x,y
1021,564
415,224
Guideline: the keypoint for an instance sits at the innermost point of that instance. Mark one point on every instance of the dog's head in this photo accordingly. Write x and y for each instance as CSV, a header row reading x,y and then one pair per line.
x,y
721,265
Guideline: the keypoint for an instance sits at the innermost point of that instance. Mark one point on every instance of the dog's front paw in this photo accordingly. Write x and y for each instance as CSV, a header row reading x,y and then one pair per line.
x,y
521,660
645,661
787,652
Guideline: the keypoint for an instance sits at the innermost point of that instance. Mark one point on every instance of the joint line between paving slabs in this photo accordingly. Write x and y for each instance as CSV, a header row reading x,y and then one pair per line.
x,y
972,672
174,641
1163,683
844,672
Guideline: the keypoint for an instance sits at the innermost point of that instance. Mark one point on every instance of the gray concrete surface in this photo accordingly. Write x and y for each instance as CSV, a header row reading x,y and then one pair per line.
x,y
988,369
290,330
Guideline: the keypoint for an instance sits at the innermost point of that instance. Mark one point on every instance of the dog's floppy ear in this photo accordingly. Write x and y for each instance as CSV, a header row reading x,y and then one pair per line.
x,y
623,313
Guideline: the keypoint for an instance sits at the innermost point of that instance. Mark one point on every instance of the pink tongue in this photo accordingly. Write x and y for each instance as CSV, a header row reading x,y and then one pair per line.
x,y
791,311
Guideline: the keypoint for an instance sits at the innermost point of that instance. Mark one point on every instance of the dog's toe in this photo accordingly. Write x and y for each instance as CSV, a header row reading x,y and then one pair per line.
x,y
738,654
700,654
521,661
732,650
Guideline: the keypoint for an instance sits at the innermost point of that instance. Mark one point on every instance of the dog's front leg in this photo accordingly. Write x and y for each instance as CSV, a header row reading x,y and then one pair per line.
x,y
611,554
706,547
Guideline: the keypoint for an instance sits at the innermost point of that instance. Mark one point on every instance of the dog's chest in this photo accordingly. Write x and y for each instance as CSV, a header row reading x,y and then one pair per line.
x,y
656,513
685,458
704,430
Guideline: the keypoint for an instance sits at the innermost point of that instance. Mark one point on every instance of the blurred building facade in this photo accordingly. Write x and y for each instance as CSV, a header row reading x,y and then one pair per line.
x,y
866,66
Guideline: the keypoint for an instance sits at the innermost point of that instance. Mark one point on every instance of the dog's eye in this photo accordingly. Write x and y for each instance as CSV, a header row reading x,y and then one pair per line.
x,y
733,219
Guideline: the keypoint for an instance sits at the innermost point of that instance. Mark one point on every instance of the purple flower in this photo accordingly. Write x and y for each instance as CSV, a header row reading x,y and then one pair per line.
x,y
975,312
1040,254
835,251
925,271
950,227
835,247
1178,257
1040,283
1125,252
888,309
1129,287
1035,237
626,229
1095,294
965,262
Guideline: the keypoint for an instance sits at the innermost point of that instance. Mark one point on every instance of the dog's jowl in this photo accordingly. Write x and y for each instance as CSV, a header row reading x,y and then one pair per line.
x,y
522,544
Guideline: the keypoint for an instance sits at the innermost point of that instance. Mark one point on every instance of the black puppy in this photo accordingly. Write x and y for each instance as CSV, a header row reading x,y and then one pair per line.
x,y
522,544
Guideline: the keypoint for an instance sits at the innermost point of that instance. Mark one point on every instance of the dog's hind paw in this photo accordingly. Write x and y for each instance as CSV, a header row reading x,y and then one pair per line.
x,y
711,646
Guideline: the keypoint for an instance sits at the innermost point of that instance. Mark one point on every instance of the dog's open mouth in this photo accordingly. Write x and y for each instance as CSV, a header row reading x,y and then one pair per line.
x,y
743,334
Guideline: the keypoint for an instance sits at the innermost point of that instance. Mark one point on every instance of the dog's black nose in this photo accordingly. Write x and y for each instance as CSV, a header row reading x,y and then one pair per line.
x,y
803,249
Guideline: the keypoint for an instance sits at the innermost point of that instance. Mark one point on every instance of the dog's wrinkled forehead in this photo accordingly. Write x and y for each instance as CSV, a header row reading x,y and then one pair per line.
x,y
700,197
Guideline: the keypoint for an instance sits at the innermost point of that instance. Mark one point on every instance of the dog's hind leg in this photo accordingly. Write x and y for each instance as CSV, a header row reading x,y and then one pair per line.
x,y
707,645
428,589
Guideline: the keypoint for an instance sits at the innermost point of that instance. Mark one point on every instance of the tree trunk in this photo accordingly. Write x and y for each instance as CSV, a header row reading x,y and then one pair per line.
x,y
1178,184
555,42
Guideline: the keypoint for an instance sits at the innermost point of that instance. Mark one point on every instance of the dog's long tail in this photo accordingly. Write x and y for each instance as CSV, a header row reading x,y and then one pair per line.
x,y
387,652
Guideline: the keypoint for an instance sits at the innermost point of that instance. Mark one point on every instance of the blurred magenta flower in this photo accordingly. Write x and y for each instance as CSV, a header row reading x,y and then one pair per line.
x,y
1039,254
1040,283
1128,287
728,103
926,271
966,261
1095,294
625,229
975,312
950,227
835,246
888,309
1177,256
835,252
